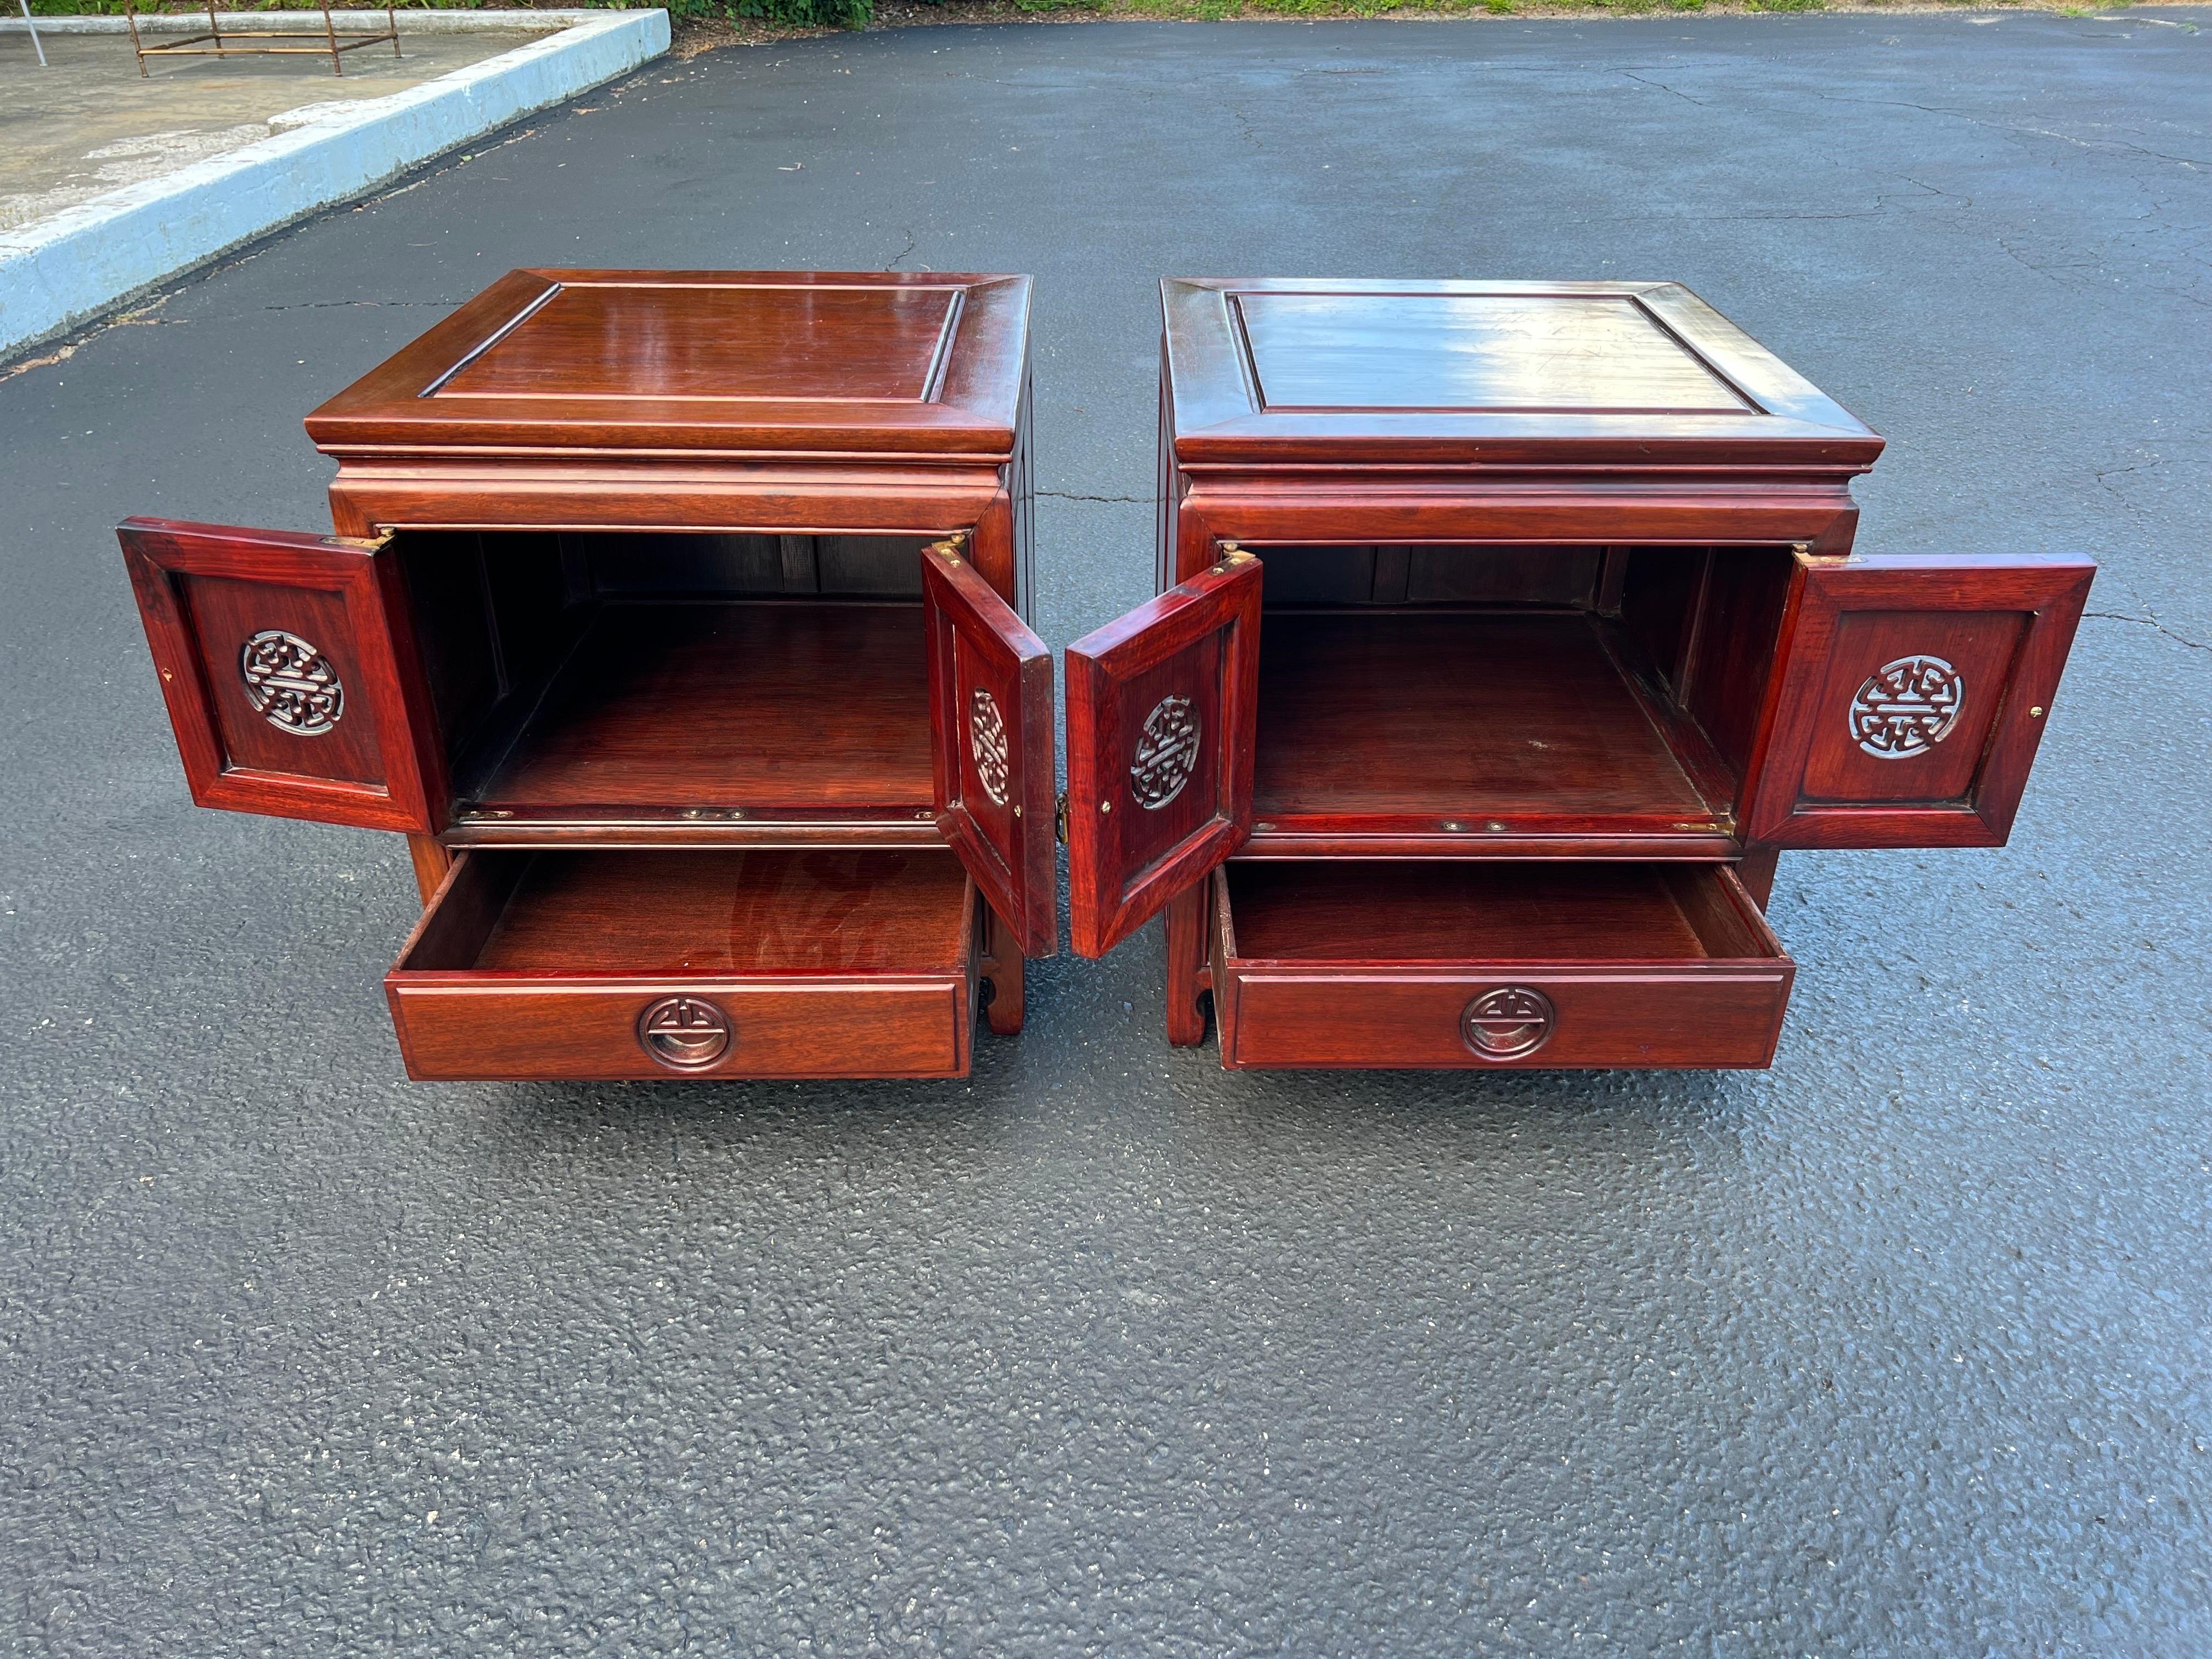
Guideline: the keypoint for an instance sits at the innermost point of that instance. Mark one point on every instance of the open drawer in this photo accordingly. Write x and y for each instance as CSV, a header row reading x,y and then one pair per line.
x,y
1436,964
723,964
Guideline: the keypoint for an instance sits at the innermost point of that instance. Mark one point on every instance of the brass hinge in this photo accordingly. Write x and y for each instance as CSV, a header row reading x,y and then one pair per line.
x,y
950,547
1059,819
367,543
1804,550
1233,554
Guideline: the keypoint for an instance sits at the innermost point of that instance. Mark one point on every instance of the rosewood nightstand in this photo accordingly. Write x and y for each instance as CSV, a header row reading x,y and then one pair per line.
x,y
677,618
1507,632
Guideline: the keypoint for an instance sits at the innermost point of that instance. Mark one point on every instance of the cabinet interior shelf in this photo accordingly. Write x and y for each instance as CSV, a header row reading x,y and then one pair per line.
x,y
1475,732
712,715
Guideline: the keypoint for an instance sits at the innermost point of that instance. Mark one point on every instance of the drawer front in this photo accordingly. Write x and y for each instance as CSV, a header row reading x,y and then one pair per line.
x,y
451,1029
1486,1016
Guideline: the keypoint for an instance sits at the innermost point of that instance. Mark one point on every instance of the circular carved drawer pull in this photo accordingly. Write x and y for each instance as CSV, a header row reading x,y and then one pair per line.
x,y
684,1034
1510,1022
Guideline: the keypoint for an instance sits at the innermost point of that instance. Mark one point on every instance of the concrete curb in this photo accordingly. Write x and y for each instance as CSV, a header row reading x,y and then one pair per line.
x,y
61,271
517,22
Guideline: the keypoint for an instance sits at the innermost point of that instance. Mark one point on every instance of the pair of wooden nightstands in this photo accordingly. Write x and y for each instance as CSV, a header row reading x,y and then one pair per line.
x,y
1507,632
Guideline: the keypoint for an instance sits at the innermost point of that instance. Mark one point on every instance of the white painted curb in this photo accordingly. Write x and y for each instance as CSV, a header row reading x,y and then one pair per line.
x,y
60,271
519,21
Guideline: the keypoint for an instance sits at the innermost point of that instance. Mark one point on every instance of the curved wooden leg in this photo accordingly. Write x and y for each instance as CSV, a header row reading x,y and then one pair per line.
x,y
432,860
1756,872
1002,966
1187,968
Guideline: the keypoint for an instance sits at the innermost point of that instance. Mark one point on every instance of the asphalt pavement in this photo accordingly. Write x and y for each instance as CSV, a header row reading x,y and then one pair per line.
x,y
1898,1348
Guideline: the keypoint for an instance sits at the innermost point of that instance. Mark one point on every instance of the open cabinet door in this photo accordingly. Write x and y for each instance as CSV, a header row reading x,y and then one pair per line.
x,y
290,672
1908,698
990,720
1160,723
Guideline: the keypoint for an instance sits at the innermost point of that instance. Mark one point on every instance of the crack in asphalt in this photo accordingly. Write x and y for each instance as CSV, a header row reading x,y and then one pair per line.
x,y
2146,622
2192,162
1663,87
330,305
1069,495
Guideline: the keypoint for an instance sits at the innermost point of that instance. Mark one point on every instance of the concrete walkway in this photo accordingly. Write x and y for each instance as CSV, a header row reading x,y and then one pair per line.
x,y
1900,1349
89,123
159,198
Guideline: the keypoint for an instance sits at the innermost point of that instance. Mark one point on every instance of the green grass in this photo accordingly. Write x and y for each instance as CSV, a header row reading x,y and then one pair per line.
x,y
856,13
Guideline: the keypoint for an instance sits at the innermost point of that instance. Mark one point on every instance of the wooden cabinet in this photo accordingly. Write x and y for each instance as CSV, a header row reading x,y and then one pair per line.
x,y
1507,630
678,618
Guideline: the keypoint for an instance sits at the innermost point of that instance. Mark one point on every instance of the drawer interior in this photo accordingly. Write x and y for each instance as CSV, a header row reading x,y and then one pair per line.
x,y
1438,910
698,913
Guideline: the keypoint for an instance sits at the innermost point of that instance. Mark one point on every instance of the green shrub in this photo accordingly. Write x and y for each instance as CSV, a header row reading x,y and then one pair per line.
x,y
805,13
798,13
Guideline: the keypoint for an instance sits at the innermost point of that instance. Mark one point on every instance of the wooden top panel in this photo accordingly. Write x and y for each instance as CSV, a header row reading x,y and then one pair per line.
x,y
1470,353
1454,373
756,362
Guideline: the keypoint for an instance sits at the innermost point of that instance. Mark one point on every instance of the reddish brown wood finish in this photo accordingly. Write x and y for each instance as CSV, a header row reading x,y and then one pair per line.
x,y
991,731
1755,870
1363,964
1471,731
432,862
1160,707
2004,625
1614,448
775,402
573,712
1190,954
1000,962
764,713
1335,373
539,965
613,490
751,363
204,591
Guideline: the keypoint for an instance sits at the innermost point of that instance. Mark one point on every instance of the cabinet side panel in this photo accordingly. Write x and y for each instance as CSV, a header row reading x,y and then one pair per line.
x,y
447,594
1659,596
1735,644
